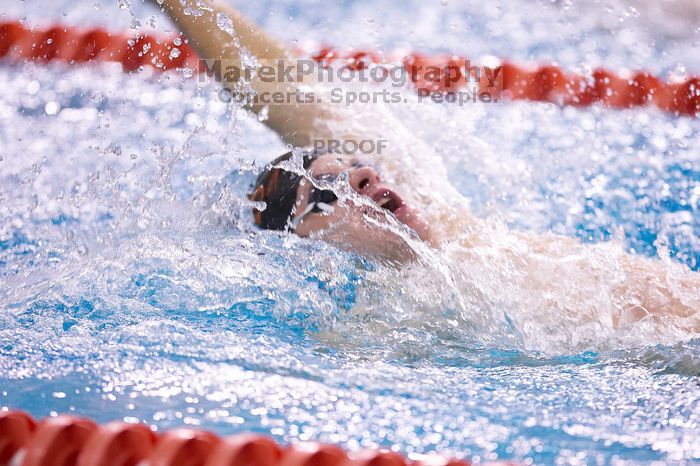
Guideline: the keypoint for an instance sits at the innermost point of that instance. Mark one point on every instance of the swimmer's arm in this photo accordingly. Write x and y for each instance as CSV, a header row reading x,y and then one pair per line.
x,y
648,289
198,21
656,289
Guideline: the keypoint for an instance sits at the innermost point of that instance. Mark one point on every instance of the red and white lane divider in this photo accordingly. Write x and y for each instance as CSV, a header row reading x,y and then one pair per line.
x,y
75,441
547,83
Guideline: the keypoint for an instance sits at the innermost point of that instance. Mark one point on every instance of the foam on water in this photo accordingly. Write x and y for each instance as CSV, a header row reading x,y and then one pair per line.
x,y
134,285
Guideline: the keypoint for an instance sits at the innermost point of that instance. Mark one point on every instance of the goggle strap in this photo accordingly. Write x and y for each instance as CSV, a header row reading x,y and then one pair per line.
x,y
309,208
325,207
313,207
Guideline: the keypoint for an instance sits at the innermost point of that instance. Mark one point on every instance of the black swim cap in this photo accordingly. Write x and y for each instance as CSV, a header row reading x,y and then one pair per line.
x,y
277,187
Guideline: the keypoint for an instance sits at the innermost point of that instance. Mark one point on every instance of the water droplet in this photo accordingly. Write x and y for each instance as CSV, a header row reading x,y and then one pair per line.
x,y
224,22
33,87
174,53
264,113
177,41
114,148
52,108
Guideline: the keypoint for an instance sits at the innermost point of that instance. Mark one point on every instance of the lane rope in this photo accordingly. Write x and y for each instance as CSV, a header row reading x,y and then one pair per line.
x,y
67,440
545,83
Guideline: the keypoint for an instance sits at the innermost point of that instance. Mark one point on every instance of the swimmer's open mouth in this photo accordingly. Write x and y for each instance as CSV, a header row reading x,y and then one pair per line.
x,y
388,199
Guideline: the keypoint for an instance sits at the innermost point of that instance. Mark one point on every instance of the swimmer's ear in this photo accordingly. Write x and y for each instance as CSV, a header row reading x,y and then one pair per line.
x,y
258,194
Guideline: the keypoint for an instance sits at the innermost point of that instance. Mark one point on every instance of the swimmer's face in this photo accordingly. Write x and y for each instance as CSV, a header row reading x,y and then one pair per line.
x,y
366,224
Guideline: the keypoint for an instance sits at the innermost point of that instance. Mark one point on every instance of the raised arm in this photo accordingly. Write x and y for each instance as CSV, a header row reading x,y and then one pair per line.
x,y
220,34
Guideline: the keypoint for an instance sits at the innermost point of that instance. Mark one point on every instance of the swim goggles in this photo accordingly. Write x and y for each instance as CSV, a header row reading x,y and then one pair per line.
x,y
320,200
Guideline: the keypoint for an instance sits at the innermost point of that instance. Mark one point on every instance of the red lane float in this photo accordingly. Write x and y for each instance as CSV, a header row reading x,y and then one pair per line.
x,y
183,447
74,441
379,458
547,83
57,441
314,454
247,450
76,45
117,444
16,429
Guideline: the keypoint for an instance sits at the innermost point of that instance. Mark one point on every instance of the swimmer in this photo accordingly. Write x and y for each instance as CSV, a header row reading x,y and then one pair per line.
x,y
355,202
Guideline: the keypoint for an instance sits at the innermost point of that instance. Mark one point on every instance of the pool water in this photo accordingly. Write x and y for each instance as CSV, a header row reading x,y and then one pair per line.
x,y
134,286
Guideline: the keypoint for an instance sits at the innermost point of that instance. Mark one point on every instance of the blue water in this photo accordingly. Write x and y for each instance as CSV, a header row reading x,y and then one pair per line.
x,y
133,286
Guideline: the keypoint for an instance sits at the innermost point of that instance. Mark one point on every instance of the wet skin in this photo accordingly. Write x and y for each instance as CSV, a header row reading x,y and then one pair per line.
x,y
360,225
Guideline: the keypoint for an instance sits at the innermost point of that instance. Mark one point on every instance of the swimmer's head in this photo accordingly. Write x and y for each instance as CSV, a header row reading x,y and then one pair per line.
x,y
341,199
277,188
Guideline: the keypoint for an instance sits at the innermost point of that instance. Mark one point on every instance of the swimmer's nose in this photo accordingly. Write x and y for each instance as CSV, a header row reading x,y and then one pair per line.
x,y
363,179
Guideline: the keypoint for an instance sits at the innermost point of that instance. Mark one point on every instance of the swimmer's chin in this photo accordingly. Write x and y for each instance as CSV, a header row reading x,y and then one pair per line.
x,y
418,226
